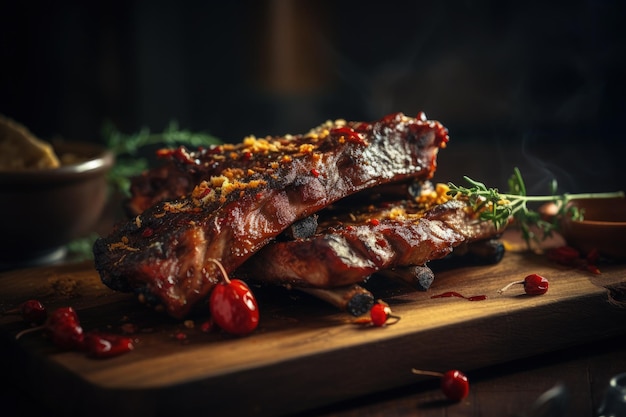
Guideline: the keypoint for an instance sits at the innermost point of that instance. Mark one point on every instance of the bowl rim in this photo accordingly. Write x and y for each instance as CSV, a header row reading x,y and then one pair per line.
x,y
101,159
585,202
602,223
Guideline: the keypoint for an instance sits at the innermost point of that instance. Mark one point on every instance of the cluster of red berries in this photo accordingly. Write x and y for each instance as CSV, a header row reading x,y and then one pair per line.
x,y
63,328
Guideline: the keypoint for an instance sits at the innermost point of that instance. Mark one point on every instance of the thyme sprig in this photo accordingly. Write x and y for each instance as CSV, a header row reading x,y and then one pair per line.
x,y
501,208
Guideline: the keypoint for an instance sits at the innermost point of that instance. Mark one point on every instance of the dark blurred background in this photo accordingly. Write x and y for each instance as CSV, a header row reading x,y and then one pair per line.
x,y
534,84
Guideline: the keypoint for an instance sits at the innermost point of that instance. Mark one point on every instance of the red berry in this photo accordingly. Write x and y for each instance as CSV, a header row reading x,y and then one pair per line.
x,y
455,385
106,345
379,313
534,284
233,306
33,311
63,328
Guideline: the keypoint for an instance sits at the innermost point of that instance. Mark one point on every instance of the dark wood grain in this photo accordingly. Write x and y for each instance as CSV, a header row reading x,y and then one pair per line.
x,y
506,389
306,354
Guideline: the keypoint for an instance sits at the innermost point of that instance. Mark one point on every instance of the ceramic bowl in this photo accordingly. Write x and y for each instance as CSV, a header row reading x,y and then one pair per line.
x,y
603,227
43,210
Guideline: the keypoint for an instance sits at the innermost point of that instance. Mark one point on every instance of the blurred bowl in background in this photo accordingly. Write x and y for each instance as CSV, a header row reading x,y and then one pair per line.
x,y
41,211
603,227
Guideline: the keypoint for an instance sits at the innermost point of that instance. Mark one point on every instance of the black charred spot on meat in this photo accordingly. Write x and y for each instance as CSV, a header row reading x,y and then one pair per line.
x,y
301,229
416,188
346,161
478,253
116,282
360,304
416,136
424,277
486,252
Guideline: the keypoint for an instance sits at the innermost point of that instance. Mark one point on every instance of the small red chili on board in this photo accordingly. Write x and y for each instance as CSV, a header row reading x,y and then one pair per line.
x,y
568,256
534,284
106,345
207,326
180,336
593,256
379,316
233,306
62,327
564,255
33,311
454,383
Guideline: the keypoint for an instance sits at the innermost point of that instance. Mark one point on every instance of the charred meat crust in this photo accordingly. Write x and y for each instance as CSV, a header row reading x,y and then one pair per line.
x,y
349,253
250,193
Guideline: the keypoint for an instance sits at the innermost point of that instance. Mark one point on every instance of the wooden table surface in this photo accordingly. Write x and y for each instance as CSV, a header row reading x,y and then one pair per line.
x,y
504,390
582,364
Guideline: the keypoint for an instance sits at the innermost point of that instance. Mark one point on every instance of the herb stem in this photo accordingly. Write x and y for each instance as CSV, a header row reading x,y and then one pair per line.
x,y
500,208
567,197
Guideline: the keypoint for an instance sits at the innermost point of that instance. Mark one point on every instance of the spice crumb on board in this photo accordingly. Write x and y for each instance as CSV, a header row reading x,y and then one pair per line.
x,y
63,286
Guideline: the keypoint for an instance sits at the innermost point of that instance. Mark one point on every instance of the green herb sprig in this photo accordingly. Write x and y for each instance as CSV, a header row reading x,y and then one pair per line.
x,y
500,208
130,162
127,149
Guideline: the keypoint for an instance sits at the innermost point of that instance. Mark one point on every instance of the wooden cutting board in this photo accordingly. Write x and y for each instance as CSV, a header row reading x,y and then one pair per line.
x,y
305,353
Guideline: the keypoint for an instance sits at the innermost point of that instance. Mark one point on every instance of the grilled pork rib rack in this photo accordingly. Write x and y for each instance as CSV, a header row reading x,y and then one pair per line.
x,y
229,201
349,251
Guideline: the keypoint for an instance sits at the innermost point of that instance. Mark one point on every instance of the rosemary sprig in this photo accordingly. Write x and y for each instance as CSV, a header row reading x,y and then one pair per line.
x,y
128,148
130,160
500,208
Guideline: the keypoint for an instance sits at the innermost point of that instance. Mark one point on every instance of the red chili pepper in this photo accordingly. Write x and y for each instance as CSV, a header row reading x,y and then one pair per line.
x,y
565,255
105,345
593,256
593,269
179,154
349,134
568,256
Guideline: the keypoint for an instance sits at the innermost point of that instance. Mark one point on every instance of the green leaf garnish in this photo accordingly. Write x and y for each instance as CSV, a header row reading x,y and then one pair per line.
x,y
127,149
500,208
130,161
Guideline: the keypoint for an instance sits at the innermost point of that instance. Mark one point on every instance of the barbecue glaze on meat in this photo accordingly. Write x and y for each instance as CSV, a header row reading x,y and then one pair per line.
x,y
249,194
350,250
